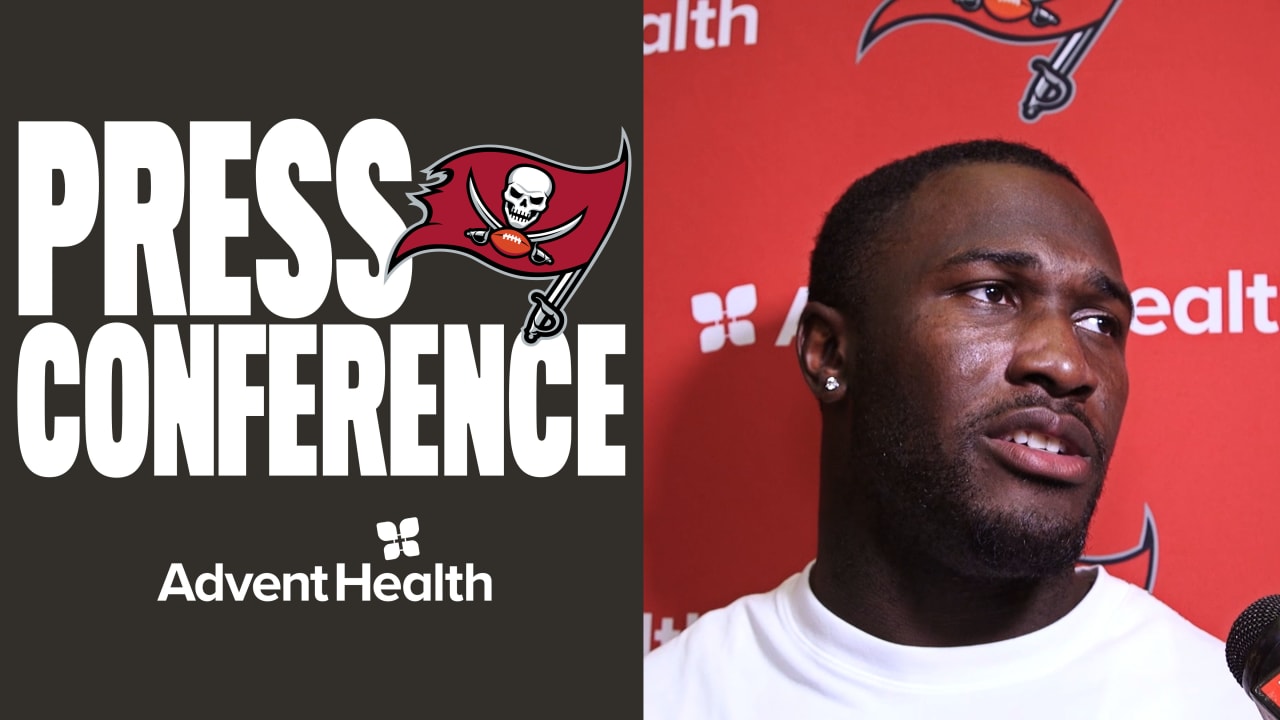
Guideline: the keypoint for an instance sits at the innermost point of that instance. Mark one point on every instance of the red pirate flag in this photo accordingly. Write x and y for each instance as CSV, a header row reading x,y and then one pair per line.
x,y
518,213
1011,20
1075,23
523,216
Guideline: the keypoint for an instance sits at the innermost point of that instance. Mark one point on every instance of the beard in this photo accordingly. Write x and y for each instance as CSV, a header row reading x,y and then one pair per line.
x,y
927,497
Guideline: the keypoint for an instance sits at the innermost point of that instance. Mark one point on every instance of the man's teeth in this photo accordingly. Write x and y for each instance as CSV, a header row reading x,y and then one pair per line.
x,y
1036,441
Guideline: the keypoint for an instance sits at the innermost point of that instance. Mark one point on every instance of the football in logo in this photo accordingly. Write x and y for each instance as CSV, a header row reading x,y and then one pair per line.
x,y
1009,10
511,243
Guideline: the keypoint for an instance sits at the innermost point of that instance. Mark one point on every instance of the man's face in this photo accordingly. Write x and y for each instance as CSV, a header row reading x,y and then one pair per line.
x,y
988,370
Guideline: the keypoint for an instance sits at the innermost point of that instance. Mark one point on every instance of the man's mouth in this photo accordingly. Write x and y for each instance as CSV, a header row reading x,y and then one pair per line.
x,y
1038,441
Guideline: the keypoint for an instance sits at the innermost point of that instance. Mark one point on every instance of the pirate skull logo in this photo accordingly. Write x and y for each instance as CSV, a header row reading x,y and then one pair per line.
x,y
526,197
523,201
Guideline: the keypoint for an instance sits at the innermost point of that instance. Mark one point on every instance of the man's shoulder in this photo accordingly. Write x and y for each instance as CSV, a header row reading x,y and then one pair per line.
x,y
1151,642
731,635
1140,613
721,629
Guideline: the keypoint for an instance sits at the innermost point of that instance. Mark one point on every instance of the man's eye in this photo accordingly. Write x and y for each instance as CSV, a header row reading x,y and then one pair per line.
x,y
1100,324
994,294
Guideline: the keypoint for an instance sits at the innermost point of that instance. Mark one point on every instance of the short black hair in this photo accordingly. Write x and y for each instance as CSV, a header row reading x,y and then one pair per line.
x,y
850,235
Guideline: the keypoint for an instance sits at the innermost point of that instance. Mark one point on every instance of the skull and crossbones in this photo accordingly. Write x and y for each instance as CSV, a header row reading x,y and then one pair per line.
x,y
524,200
528,192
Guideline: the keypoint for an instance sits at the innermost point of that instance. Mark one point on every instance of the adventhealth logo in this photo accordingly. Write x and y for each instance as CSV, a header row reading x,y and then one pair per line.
x,y
725,319
397,538
443,584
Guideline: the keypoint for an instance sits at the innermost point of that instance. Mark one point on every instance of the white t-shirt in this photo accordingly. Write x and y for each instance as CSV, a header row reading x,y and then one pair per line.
x,y
1120,653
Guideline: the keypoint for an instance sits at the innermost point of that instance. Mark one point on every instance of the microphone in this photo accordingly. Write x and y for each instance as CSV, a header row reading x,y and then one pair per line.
x,y
1253,654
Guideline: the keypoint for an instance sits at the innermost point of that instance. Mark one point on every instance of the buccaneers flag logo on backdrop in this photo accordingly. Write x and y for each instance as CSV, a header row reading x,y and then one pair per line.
x,y
1075,24
522,215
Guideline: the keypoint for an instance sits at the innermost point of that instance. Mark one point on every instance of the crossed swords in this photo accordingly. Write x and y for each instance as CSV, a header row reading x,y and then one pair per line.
x,y
537,255
546,316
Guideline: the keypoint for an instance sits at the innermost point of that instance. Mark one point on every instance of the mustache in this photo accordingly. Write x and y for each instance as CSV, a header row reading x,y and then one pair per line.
x,y
1061,407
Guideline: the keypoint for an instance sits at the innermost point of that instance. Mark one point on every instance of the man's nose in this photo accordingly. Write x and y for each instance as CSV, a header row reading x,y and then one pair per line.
x,y
1049,353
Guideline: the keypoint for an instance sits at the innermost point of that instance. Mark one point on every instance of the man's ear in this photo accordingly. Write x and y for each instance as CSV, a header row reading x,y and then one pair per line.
x,y
823,352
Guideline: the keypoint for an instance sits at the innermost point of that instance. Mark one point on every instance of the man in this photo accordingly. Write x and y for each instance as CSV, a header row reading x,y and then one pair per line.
x,y
965,341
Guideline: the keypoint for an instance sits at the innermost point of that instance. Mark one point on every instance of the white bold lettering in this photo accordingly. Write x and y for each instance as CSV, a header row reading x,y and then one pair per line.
x,y
183,400
598,399
290,143
362,582
409,400
214,217
750,20
116,342
1261,292
1212,323
1159,307
377,144
130,222
46,344
791,323
46,148
288,399
539,457
177,574
474,400
357,407
204,579
237,400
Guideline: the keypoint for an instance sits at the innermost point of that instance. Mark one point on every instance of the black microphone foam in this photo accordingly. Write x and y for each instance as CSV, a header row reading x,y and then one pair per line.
x,y
1247,630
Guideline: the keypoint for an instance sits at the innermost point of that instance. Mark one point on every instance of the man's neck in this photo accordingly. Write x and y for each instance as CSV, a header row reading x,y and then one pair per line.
x,y
925,604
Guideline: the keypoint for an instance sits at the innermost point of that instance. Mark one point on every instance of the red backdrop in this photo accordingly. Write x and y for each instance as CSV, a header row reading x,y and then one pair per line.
x,y
758,115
